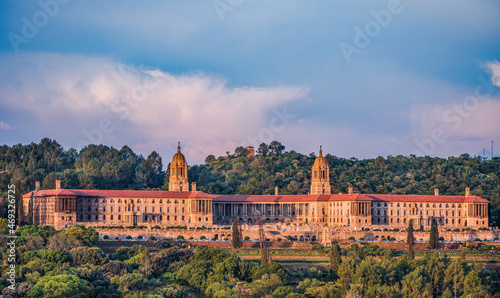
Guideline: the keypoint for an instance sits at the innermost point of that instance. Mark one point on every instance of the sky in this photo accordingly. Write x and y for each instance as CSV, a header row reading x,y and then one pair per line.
x,y
361,78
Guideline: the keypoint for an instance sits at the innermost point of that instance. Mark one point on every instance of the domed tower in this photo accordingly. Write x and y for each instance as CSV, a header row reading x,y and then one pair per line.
x,y
320,182
178,172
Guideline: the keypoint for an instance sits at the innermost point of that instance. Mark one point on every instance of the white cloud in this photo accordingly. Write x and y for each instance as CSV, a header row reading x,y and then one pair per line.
x,y
149,108
5,126
494,67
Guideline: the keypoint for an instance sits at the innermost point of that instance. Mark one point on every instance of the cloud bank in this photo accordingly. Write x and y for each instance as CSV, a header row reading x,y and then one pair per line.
x,y
96,99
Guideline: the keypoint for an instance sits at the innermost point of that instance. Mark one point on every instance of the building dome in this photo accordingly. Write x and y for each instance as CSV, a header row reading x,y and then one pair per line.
x,y
179,158
320,160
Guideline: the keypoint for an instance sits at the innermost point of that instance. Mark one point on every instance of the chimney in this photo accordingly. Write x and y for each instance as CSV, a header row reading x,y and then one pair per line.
x,y
275,190
37,186
467,191
350,189
58,184
193,186
436,192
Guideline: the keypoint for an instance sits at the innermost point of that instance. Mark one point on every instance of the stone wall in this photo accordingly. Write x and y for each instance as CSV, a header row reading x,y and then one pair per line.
x,y
275,236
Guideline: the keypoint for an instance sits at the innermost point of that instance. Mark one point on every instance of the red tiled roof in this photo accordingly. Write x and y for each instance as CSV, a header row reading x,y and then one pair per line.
x,y
289,198
118,193
427,198
255,198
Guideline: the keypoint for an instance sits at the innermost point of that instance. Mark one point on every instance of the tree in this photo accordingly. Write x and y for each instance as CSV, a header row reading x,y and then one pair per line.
x,y
20,207
63,242
434,235
454,277
335,258
30,211
472,285
87,236
410,240
276,147
263,149
146,264
265,256
88,255
236,233
60,286
130,281
240,151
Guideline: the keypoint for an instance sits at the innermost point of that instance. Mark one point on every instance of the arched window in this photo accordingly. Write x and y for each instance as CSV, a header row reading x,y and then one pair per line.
x,y
161,201
404,205
138,201
397,205
459,205
446,206
452,205
440,206
153,201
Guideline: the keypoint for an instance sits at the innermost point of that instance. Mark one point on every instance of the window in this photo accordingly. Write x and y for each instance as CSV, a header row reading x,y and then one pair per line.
x,y
153,209
161,201
104,217
119,217
111,216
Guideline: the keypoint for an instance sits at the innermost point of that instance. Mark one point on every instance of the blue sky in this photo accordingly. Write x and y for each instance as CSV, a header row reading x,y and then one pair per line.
x,y
361,78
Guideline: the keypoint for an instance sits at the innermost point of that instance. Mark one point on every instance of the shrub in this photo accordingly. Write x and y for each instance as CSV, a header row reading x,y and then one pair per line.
x,y
129,237
351,238
396,230
471,246
477,240
383,238
362,238
117,238
191,238
225,239
105,237
392,239
180,237
165,244
152,238
483,229
456,230
203,237
248,238
441,239
156,227
139,237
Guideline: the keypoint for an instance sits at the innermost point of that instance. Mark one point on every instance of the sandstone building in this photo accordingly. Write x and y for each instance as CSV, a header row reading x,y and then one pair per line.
x,y
318,211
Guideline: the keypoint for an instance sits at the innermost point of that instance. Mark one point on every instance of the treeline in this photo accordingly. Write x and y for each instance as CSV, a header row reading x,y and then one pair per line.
x,y
94,167
103,167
